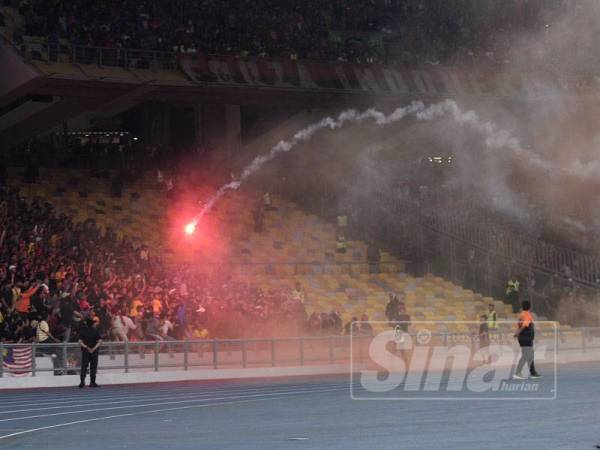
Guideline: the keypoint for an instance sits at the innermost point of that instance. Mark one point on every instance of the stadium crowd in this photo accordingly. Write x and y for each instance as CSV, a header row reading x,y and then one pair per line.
x,y
55,273
360,31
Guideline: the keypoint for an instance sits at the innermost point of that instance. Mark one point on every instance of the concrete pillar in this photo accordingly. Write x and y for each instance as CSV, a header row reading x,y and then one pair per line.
x,y
218,129
166,125
233,129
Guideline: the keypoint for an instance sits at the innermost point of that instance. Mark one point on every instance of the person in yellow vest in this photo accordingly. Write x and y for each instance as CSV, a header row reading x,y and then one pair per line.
x,y
268,201
492,321
340,245
492,318
512,293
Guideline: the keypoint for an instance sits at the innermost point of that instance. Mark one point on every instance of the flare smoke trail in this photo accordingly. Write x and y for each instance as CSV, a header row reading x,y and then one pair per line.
x,y
350,115
495,138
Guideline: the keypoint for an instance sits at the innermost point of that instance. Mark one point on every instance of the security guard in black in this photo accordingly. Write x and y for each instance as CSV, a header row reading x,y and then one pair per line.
x,y
90,341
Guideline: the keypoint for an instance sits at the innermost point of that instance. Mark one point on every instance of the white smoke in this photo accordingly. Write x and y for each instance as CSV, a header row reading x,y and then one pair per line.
x,y
494,138
348,116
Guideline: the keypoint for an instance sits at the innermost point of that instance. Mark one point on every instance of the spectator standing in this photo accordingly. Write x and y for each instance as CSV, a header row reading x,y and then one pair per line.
x,y
484,339
492,319
403,317
259,218
512,292
121,325
391,309
366,329
373,258
68,314
351,328
44,336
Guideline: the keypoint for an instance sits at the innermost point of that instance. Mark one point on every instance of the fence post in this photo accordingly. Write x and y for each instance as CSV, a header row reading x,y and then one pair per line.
x,y
185,354
331,349
273,352
215,351
583,339
156,350
301,352
244,354
1,359
64,358
33,359
126,357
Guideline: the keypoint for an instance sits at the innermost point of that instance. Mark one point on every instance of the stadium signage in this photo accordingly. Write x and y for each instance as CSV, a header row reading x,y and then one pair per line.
x,y
431,81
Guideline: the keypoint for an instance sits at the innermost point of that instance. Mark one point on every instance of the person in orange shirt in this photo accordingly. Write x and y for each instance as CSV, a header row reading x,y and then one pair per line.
x,y
133,310
24,302
157,306
525,335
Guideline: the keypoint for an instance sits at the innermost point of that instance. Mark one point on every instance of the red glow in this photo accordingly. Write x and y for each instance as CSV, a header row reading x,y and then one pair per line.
x,y
192,240
190,228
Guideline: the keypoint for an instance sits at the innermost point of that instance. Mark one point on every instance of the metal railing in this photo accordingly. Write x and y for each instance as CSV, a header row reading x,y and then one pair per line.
x,y
582,267
187,355
101,56
261,352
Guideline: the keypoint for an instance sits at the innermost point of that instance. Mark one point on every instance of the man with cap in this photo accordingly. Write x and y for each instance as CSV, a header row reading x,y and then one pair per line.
x,y
90,341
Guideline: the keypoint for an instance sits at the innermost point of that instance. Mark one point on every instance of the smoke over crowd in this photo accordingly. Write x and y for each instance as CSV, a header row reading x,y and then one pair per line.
x,y
532,158
529,161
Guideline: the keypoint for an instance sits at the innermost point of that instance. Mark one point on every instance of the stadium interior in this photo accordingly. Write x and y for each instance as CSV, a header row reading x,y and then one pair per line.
x,y
201,170
135,143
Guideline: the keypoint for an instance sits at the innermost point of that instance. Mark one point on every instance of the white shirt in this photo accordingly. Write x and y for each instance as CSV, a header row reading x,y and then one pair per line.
x,y
165,328
123,323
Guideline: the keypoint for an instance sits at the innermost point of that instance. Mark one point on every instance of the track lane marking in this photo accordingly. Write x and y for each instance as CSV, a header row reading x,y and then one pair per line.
x,y
140,413
145,398
29,401
37,416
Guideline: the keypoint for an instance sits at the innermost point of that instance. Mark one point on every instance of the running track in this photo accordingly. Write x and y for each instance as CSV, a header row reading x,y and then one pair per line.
x,y
294,414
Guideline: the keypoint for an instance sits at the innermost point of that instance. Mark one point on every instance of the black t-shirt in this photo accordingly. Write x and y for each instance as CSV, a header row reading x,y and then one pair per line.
x,y
28,333
89,336
67,308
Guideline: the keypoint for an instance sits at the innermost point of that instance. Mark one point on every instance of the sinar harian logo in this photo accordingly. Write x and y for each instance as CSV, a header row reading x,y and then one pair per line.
x,y
423,364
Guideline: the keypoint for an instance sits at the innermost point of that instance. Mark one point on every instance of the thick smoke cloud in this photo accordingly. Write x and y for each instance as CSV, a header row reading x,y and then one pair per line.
x,y
493,137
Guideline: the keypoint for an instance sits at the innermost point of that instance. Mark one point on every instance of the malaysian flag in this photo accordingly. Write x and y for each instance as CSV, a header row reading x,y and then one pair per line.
x,y
17,362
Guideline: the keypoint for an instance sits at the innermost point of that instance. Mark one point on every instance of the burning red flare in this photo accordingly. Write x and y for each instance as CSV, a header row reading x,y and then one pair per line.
x,y
190,228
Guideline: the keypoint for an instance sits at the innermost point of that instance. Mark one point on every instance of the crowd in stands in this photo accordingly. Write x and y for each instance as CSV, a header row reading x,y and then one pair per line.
x,y
362,31
55,273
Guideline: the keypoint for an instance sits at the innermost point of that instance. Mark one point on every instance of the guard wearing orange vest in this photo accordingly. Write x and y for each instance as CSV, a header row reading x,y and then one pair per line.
x,y
525,335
